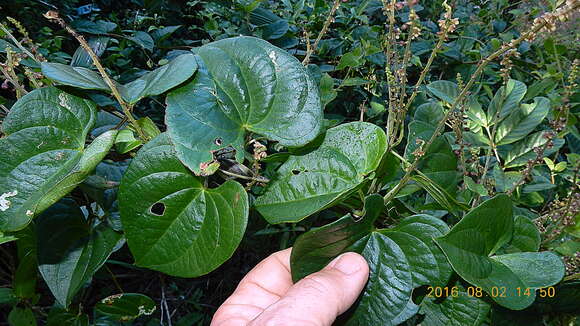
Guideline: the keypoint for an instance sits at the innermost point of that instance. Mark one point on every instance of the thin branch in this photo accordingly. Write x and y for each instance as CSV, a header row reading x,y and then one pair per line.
x,y
114,279
323,31
127,108
245,177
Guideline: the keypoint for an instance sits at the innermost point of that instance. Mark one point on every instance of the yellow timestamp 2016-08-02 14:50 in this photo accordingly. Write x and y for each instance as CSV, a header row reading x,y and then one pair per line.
x,y
494,291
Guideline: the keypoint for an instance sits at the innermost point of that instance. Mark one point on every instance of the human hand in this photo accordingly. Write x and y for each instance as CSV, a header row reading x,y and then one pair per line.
x,y
267,296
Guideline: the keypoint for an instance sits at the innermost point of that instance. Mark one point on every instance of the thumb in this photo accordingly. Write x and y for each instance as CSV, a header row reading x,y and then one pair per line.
x,y
319,298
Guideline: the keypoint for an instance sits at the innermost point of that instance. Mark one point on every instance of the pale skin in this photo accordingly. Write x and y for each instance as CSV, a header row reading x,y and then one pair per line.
x,y
266,296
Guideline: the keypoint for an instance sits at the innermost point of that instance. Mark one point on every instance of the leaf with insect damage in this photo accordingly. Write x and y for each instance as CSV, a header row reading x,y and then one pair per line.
x,y
243,84
173,223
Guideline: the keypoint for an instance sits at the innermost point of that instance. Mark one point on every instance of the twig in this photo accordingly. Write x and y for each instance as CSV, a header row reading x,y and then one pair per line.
x,y
407,53
424,73
53,15
245,177
323,31
164,306
114,279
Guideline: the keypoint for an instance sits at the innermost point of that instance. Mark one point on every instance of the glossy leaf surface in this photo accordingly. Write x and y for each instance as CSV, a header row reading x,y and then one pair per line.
x,y
535,269
519,153
400,259
526,236
45,153
308,183
243,84
173,223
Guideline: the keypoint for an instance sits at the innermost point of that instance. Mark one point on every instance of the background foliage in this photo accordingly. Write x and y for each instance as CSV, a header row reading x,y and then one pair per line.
x,y
515,133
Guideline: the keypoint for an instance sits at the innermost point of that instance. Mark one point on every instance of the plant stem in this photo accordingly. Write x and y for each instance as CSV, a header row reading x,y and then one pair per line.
x,y
322,32
114,279
127,108
424,73
235,175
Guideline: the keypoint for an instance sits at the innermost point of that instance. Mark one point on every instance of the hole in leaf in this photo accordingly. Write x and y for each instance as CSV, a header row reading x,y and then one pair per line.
x,y
218,141
157,209
295,172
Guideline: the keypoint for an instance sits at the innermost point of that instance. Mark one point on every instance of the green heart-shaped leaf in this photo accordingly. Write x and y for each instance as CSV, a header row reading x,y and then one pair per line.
x,y
69,252
151,83
472,241
424,228
400,260
45,155
173,223
243,84
309,183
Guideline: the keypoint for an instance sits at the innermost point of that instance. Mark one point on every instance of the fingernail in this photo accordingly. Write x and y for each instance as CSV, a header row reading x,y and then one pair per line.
x,y
347,263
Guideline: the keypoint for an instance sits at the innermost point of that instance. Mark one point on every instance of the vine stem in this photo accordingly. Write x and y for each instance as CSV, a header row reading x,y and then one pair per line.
x,y
127,108
440,126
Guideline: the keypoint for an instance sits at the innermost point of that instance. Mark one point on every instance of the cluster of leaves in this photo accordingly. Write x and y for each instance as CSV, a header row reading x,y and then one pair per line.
x,y
250,133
